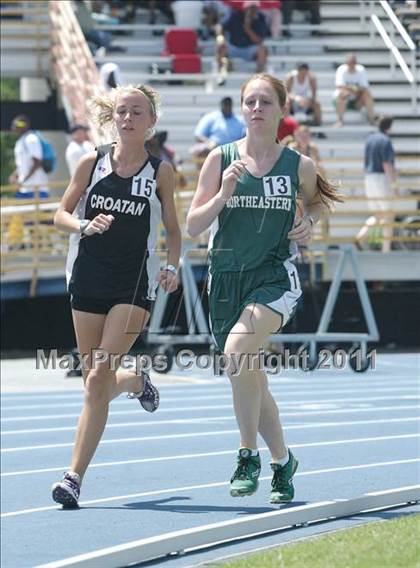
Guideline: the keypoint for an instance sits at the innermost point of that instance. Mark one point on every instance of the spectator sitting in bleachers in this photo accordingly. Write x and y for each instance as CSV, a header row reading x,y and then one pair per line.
x,y
311,6
408,12
214,11
245,32
216,128
110,76
97,39
271,10
157,146
122,10
303,144
352,89
288,125
301,86
164,7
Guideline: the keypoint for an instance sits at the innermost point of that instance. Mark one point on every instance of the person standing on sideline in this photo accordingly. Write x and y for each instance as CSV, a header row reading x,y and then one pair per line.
x,y
78,146
115,201
247,194
217,128
352,89
380,182
29,172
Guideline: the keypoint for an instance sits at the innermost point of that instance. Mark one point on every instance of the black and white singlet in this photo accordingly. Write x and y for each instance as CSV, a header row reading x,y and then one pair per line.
x,y
121,262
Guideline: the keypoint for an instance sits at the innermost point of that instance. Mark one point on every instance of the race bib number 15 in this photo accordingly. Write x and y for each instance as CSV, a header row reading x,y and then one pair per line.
x,y
143,187
277,186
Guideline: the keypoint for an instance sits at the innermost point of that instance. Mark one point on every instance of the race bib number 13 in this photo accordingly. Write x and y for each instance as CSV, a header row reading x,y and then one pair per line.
x,y
277,186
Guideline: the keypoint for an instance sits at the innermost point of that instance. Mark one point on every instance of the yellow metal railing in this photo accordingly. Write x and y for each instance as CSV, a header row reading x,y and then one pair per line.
x,y
31,244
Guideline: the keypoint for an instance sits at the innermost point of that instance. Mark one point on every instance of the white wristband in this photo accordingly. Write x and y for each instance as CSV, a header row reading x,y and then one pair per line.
x,y
83,225
171,268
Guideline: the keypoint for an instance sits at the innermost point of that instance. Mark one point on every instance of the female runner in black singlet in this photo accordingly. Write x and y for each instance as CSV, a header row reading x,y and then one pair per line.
x,y
112,207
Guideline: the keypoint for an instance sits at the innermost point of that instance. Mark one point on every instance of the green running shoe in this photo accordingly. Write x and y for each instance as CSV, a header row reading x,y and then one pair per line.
x,y
245,479
282,484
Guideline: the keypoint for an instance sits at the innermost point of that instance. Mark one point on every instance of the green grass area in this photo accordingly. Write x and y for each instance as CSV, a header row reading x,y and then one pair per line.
x,y
9,89
7,160
386,544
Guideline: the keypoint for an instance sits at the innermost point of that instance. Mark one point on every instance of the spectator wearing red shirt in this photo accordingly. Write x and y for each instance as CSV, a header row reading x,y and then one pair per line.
x,y
287,125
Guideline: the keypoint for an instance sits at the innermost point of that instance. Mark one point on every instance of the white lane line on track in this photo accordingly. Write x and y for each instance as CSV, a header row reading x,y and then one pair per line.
x,y
208,486
213,396
285,384
208,454
205,419
303,404
215,433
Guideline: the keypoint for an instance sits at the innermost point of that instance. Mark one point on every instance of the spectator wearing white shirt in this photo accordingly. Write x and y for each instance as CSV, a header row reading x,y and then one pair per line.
x,y
110,76
78,147
352,89
29,172
301,87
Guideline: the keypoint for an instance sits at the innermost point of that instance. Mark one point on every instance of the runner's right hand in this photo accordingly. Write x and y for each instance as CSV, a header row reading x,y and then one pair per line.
x,y
230,178
99,224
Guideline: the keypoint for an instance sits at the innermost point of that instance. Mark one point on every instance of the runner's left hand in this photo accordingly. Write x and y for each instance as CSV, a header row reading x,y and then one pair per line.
x,y
301,231
168,280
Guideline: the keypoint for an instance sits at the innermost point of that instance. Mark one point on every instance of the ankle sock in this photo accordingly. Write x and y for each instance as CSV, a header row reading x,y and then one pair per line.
x,y
282,461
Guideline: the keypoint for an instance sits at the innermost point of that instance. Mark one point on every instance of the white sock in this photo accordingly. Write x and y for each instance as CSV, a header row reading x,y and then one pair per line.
x,y
282,461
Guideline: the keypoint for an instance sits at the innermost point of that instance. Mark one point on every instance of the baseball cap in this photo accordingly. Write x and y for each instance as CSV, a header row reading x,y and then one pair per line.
x,y
20,121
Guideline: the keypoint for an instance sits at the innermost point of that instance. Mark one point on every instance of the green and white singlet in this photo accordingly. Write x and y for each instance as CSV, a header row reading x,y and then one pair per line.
x,y
250,254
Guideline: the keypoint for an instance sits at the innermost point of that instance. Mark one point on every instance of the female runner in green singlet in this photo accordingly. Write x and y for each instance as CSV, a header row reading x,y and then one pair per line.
x,y
247,194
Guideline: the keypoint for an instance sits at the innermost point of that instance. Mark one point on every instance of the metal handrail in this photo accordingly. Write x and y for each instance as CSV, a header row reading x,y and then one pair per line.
x,y
410,43
394,51
73,65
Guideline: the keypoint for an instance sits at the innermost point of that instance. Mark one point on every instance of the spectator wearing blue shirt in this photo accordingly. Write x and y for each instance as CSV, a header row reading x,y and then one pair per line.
x,y
245,32
380,182
216,128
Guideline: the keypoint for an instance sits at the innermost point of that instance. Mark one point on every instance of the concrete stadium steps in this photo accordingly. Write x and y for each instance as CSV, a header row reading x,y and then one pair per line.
x,y
155,46
377,76
191,110
193,96
410,129
25,63
183,136
346,10
399,91
321,61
